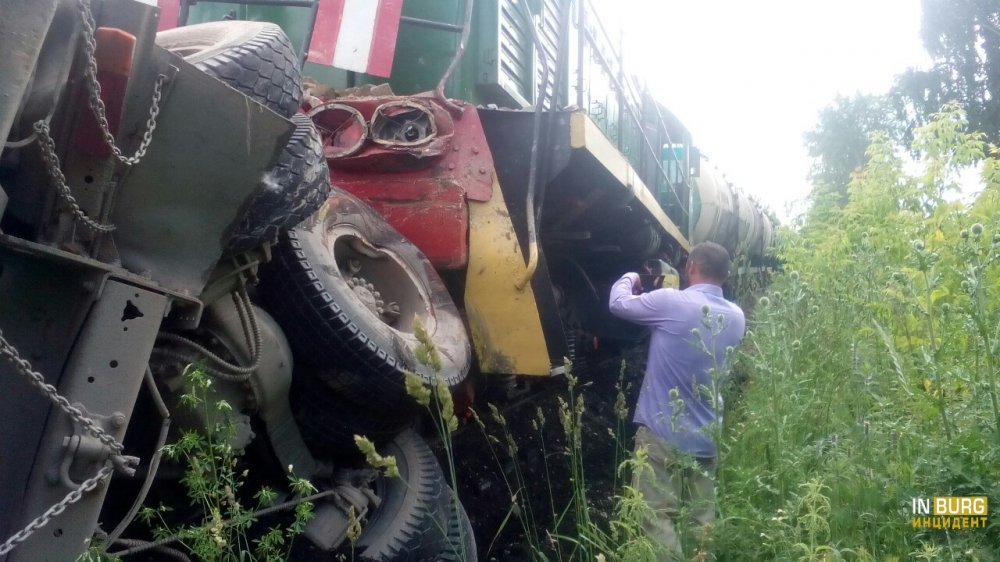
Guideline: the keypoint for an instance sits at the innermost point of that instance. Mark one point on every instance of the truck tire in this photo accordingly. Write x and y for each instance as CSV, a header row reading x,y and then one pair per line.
x,y
291,191
328,422
410,522
255,58
348,288
460,543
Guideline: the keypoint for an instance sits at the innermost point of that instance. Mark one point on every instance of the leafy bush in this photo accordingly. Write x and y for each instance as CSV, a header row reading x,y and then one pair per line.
x,y
872,361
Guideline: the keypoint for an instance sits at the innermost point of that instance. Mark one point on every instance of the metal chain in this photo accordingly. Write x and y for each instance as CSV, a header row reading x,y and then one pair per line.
x,y
97,104
8,351
51,159
54,511
22,366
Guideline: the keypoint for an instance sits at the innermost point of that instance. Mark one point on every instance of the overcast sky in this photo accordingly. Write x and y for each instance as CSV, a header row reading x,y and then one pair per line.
x,y
749,77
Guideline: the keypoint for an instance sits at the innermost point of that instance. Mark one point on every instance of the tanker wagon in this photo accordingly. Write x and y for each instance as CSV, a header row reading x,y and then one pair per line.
x,y
173,191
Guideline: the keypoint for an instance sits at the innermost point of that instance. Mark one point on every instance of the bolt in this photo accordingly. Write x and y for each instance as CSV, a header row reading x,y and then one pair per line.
x,y
475,150
118,420
451,166
455,148
482,171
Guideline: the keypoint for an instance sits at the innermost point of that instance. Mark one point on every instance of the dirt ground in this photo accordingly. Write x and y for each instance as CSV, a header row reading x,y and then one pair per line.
x,y
487,475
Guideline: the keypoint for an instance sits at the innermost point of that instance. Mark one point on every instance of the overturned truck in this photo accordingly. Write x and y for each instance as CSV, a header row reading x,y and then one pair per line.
x,y
173,192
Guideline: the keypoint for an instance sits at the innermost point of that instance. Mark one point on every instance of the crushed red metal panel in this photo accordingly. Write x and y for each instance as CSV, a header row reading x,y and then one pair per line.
x,y
434,216
419,182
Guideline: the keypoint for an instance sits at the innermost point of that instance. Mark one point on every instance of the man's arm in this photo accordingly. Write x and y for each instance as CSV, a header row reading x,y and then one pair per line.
x,y
640,309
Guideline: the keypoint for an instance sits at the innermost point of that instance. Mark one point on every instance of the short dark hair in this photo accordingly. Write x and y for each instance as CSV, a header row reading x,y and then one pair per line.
x,y
712,260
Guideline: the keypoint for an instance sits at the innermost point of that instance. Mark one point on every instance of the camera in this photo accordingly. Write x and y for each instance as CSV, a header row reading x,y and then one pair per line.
x,y
658,274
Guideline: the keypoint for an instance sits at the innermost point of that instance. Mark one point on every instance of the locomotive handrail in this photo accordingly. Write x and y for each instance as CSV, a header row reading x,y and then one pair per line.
x,y
630,100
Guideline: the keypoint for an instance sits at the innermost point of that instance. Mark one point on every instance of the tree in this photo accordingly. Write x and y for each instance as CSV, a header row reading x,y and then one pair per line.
x,y
840,138
963,39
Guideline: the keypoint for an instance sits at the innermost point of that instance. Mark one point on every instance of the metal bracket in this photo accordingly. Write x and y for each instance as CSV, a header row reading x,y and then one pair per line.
x,y
328,527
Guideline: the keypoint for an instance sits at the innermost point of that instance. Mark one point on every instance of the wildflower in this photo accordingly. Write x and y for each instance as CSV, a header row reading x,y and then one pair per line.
x,y
426,352
353,525
977,230
776,295
705,310
794,276
964,234
764,301
387,464
945,308
796,344
695,332
918,245
447,406
416,389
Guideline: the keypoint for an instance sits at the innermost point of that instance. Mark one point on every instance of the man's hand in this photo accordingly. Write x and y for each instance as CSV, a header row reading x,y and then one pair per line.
x,y
636,282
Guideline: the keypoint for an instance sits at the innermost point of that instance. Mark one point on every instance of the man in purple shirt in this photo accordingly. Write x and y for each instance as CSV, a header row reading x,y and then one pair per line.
x,y
693,334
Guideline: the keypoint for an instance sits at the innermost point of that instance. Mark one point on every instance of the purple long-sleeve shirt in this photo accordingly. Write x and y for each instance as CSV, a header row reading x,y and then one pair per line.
x,y
678,360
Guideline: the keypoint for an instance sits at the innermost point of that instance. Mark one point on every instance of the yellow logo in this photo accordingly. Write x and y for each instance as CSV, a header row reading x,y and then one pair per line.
x,y
950,512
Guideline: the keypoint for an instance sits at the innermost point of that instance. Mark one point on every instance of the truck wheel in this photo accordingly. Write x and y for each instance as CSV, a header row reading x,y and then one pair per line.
x,y
460,544
291,191
255,58
328,421
410,523
349,290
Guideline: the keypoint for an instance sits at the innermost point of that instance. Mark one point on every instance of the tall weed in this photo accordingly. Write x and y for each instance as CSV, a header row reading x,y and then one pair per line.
x,y
873,373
